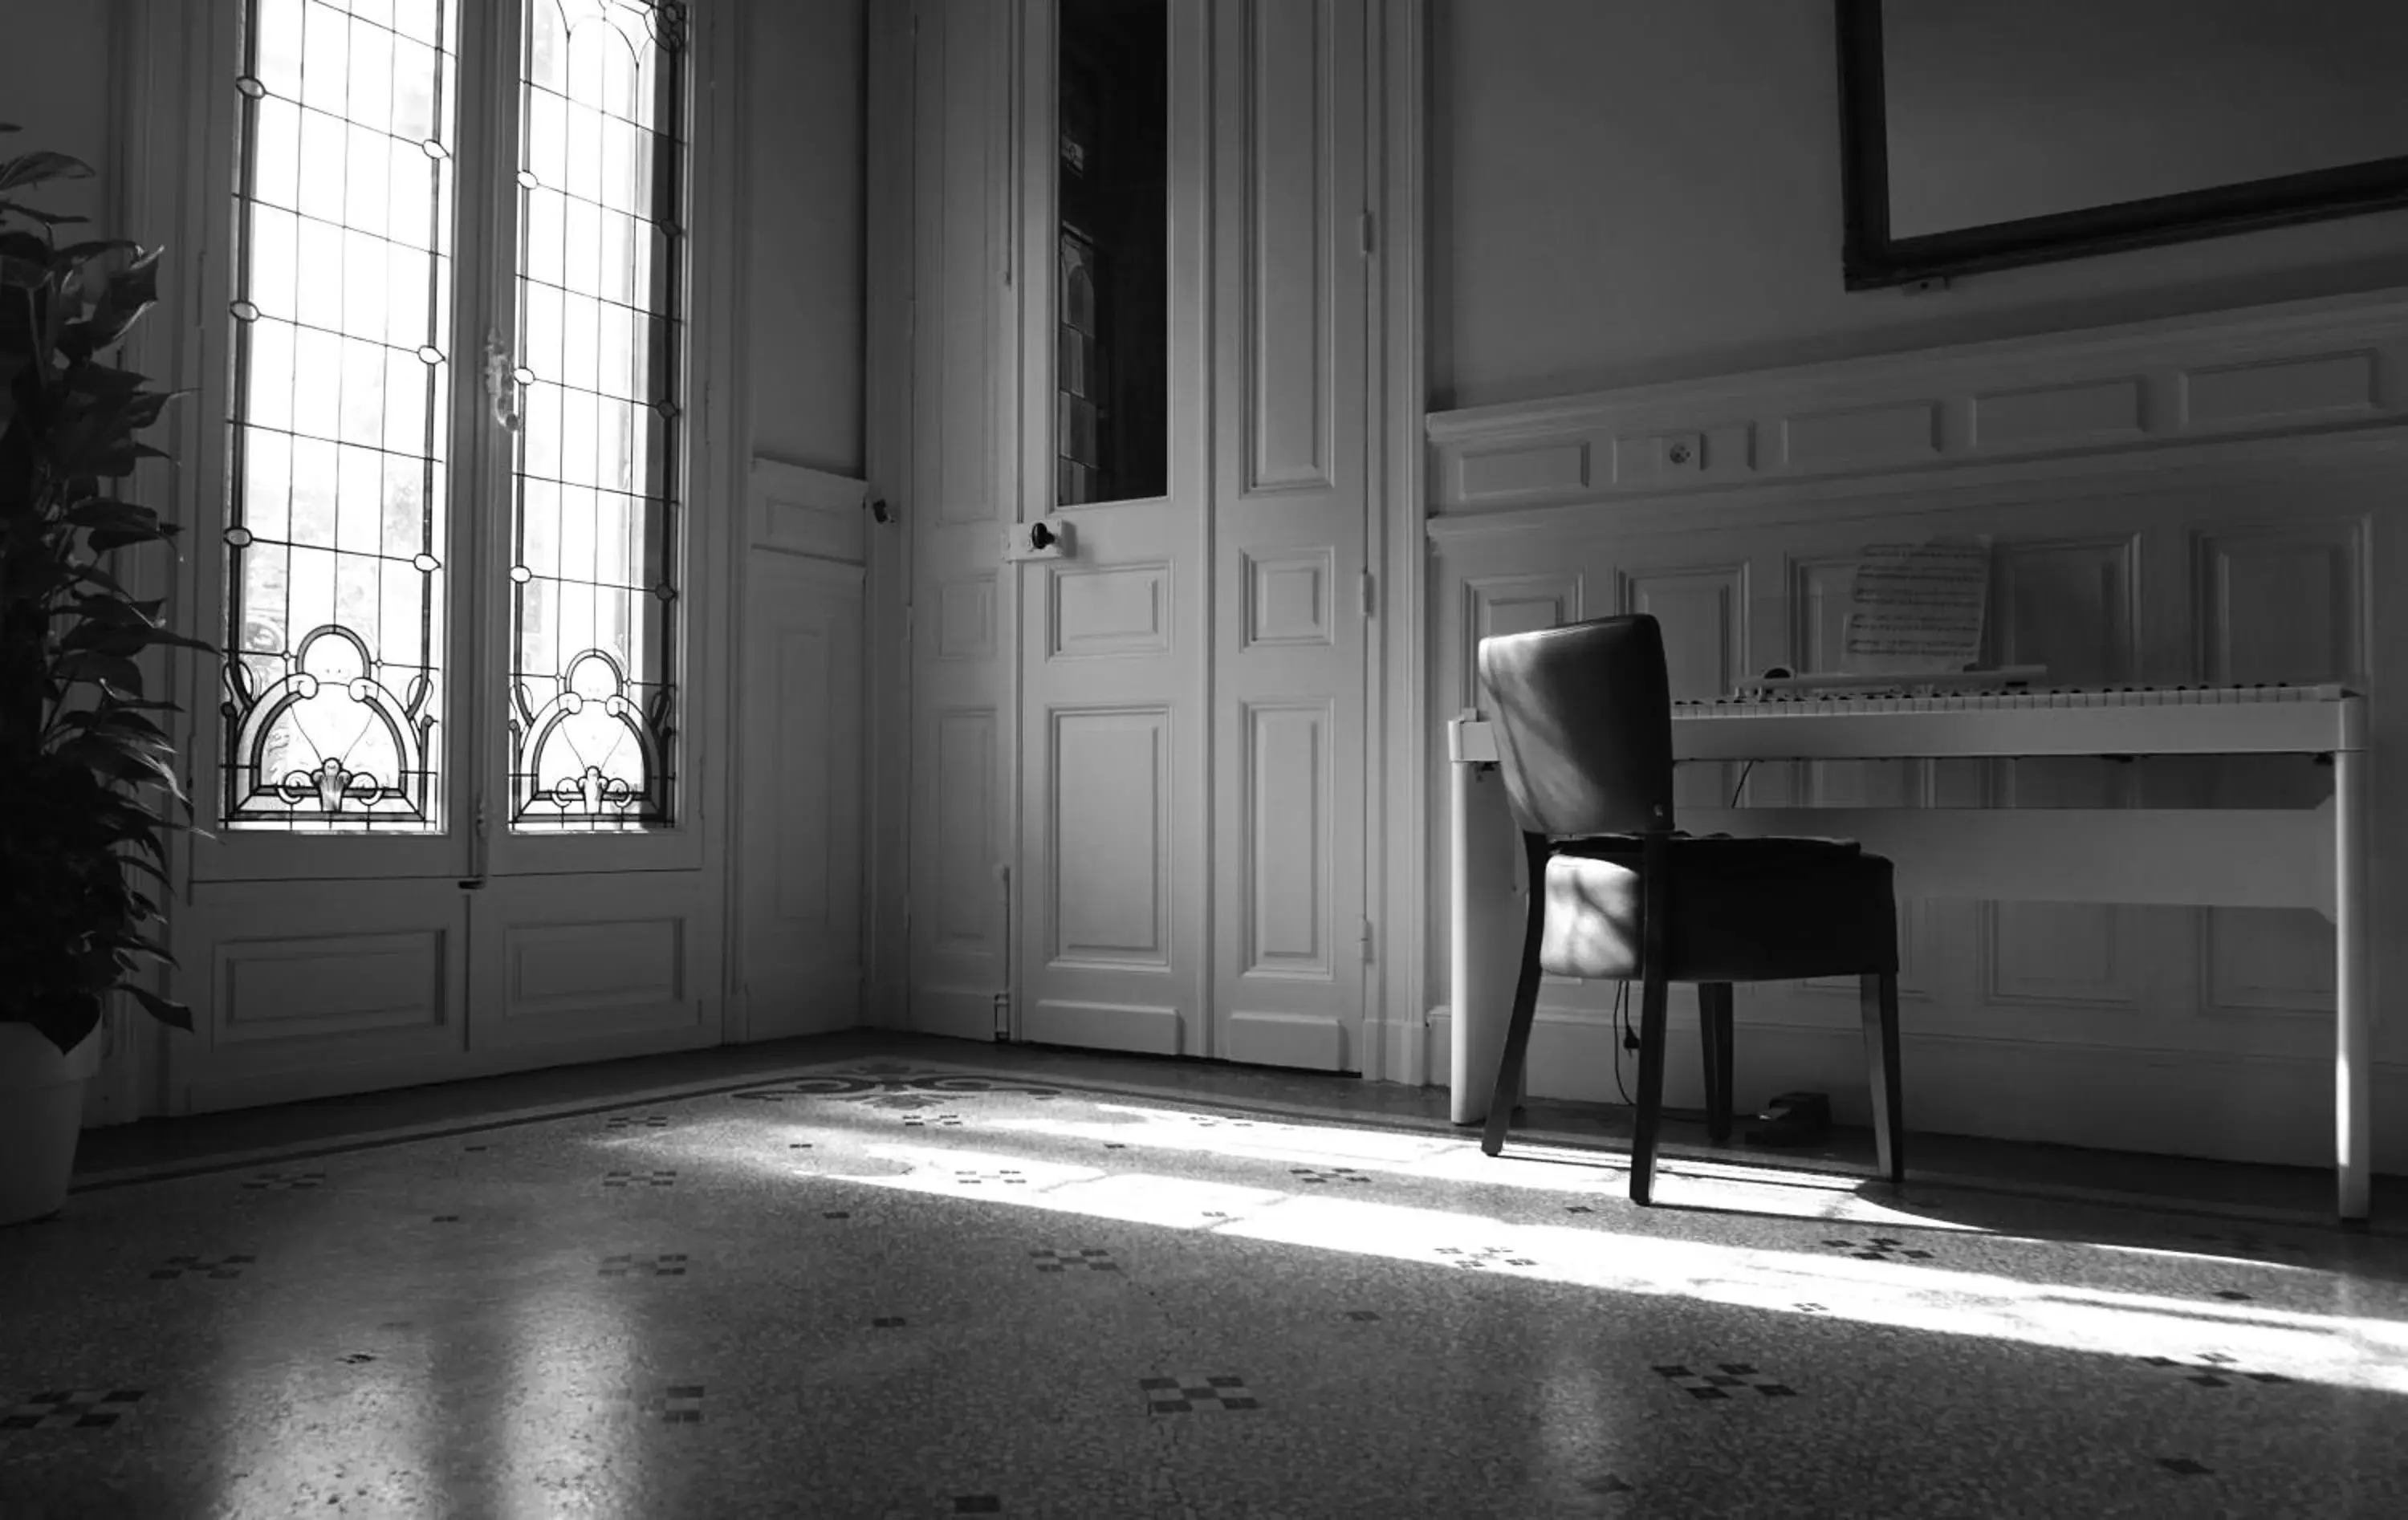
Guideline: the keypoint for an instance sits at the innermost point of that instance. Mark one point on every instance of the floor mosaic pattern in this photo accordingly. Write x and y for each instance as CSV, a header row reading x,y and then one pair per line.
x,y
887,1289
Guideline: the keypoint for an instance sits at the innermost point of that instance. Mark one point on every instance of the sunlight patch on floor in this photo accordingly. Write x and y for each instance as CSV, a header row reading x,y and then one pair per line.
x,y
2355,1353
1564,1169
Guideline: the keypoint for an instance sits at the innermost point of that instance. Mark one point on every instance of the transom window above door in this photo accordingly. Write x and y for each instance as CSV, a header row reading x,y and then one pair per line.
x,y
456,450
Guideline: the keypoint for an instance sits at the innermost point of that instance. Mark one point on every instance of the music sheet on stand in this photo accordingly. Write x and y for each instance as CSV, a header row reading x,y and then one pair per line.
x,y
1917,608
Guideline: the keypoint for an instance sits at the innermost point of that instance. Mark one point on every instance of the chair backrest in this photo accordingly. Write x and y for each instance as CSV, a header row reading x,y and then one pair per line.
x,y
1584,721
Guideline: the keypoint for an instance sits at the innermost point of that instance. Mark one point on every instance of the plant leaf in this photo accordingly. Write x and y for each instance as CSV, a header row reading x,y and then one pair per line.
x,y
131,292
91,664
150,869
40,167
105,513
166,1011
66,261
34,213
120,764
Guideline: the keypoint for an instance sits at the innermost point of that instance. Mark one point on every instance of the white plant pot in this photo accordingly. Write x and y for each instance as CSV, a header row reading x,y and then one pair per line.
x,y
42,1116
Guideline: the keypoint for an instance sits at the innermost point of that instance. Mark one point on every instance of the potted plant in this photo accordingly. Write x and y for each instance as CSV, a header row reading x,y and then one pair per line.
x,y
81,756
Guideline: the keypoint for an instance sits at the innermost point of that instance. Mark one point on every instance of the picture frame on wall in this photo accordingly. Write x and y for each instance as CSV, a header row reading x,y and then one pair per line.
x,y
1978,136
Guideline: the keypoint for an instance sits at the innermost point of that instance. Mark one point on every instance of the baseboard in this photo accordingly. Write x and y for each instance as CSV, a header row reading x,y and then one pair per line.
x,y
247,1090
1401,1046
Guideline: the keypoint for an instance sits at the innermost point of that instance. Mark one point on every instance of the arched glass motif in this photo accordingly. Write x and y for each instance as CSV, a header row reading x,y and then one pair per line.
x,y
341,384
329,740
594,568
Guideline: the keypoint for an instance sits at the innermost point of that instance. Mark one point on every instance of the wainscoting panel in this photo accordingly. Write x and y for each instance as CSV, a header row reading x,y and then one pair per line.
x,y
2339,363
2067,604
1492,606
312,994
1703,610
342,984
560,960
557,967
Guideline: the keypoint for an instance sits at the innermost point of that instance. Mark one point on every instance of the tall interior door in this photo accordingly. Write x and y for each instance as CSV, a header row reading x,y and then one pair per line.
x,y
1191,876
1291,596
1114,863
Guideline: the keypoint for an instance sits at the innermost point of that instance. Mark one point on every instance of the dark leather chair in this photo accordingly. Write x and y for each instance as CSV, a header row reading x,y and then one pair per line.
x,y
1583,716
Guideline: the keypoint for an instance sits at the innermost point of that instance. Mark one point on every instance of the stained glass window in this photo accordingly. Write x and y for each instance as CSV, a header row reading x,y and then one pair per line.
x,y
334,516
594,571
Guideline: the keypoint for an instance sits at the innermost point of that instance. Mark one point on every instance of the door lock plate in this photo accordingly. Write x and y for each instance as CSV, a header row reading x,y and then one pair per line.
x,y
1043,537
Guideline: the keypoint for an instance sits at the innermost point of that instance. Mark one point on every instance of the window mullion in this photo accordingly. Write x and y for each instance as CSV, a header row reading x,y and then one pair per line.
x,y
485,317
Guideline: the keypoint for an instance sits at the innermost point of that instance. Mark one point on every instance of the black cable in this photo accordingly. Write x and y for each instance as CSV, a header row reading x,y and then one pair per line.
x,y
1742,783
1622,1021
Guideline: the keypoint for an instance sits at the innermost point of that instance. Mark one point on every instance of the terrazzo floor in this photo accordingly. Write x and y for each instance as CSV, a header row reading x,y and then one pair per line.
x,y
889,1288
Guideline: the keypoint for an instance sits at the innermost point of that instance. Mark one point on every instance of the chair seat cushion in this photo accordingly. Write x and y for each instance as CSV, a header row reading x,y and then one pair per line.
x,y
1740,910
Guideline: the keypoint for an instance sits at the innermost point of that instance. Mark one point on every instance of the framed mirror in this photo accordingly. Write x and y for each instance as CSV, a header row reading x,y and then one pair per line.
x,y
1978,135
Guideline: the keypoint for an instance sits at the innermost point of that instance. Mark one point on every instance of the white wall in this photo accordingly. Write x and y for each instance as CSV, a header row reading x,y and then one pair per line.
x,y
1632,191
56,82
805,132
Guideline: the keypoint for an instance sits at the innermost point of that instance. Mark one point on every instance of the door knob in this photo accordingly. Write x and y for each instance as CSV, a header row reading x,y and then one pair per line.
x,y
1048,537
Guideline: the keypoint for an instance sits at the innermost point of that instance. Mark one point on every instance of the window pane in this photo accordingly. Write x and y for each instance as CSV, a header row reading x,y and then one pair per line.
x,y
1113,389
335,498
593,522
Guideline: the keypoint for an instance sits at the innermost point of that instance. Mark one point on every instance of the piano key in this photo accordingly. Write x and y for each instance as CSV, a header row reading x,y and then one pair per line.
x,y
2065,720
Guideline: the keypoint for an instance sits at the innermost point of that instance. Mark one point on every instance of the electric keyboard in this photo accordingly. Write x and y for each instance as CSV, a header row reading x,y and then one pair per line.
x,y
2077,721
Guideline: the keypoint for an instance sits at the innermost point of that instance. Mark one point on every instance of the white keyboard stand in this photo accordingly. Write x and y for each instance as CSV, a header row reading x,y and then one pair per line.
x,y
2299,857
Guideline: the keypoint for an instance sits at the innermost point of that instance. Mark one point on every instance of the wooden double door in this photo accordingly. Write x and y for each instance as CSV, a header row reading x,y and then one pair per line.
x,y
1140,766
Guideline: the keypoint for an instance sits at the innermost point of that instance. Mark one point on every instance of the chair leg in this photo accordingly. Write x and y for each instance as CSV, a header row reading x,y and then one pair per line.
x,y
1526,1006
1877,997
1715,1029
1652,996
1654,909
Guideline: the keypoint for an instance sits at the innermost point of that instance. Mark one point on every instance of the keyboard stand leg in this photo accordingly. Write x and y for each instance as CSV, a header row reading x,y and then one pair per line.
x,y
2354,1053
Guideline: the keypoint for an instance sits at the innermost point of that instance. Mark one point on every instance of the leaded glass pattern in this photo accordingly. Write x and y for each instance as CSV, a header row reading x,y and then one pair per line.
x,y
595,567
341,384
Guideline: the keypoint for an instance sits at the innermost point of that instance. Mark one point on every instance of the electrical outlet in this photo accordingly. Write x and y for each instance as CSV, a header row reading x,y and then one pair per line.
x,y
1682,450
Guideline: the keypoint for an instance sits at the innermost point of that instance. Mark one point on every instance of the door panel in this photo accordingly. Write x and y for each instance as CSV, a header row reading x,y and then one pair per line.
x,y
961,731
570,961
343,987
1289,534
1113,868
800,858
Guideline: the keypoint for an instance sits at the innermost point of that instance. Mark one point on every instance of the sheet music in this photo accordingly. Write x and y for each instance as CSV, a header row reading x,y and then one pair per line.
x,y
1918,608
